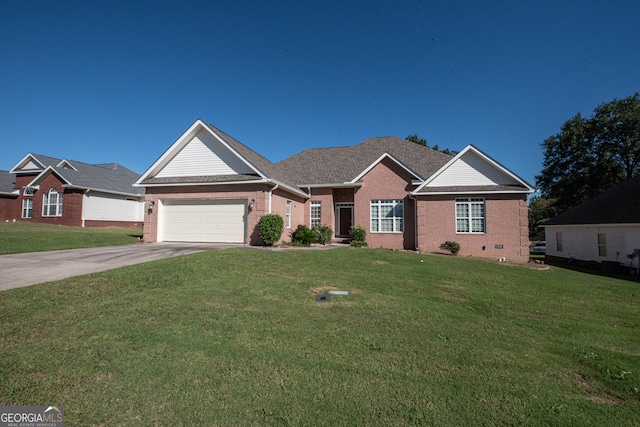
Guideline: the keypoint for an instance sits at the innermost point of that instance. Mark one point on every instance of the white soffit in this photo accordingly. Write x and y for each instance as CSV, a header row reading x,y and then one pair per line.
x,y
203,155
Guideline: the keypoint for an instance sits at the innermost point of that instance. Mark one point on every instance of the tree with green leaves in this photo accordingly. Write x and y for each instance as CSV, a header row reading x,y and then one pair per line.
x,y
415,138
590,155
540,210
421,141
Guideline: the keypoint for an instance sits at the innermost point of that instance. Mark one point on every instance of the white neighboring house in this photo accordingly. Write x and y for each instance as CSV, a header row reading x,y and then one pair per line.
x,y
605,228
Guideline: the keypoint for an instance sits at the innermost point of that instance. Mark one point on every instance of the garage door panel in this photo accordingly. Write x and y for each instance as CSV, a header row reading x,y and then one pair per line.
x,y
219,221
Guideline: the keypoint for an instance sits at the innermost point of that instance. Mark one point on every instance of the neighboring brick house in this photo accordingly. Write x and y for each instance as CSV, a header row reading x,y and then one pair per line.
x,y
67,192
8,196
209,187
603,228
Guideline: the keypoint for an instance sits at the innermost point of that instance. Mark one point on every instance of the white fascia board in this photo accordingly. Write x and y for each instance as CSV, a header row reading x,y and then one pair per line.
x,y
289,188
434,193
195,184
188,184
168,154
485,157
46,172
12,193
98,190
65,161
632,224
382,157
336,185
24,161
238,155
180,142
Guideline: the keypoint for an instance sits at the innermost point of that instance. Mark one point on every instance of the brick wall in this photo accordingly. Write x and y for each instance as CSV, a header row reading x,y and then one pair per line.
x,y
71,202
257,192
9,209
506,225
386,181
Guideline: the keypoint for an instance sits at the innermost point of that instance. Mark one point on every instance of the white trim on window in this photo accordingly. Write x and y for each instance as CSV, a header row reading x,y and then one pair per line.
x,y
315,214
27,208
470,216
52,203
387,216
602,245
288,215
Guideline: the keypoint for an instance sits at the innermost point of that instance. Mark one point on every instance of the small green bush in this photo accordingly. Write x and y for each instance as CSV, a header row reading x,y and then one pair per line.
x,y
270,228
323,233
452,247
303,236
358,236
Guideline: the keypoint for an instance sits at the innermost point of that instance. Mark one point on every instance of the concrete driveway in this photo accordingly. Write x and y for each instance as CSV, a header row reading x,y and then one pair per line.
x,y
19,270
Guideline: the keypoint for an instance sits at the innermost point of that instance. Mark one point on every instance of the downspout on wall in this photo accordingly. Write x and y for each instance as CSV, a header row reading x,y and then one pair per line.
x,y
415,221
85,195
270,194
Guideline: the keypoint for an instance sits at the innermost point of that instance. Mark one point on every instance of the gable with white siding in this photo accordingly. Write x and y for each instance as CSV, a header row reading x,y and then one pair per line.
x,y
204,155
472,168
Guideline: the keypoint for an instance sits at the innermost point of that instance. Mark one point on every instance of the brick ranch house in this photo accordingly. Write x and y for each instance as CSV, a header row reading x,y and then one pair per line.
x,y
208,187
47,190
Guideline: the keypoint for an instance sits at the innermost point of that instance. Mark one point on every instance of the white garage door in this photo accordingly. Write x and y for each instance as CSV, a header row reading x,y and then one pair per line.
x,y
219,221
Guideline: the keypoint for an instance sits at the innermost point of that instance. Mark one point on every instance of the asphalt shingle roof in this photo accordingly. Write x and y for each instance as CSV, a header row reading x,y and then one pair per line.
x,y
265,166
619,205
109,177
6,182
343,164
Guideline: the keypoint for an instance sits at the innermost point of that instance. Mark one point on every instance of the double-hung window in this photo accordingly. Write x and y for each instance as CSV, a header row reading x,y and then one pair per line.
x,y
52,203
27,208
288,215
387,216
470,217
602,245
316,210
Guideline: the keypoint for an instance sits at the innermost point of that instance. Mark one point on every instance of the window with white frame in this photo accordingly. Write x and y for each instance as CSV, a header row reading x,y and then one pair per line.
x,y
316,211
288,215
559,242
602,245
27,208
387,216
470,215
52,203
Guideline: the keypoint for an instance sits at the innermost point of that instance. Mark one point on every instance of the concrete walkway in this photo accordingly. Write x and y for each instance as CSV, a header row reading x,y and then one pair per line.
x,y
19,270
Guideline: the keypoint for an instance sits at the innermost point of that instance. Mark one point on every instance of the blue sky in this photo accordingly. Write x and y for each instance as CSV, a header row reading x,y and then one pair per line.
x,y
119,81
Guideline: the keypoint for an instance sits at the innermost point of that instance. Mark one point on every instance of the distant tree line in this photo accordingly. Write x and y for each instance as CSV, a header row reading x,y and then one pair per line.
x,y
421,141
587,157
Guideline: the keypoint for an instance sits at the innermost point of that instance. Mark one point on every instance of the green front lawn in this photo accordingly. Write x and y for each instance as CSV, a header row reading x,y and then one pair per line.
x,y
234,337
19,237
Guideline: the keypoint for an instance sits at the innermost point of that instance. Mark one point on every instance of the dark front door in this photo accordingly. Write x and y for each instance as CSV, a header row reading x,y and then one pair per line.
x,y
344,217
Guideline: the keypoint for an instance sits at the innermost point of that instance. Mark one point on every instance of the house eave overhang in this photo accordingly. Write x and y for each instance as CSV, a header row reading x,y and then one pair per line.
x,y
28,171
36,181
217,183
10,193
486,158
459,192
625,224
190,184
385,155
333,185
99,190
181,141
